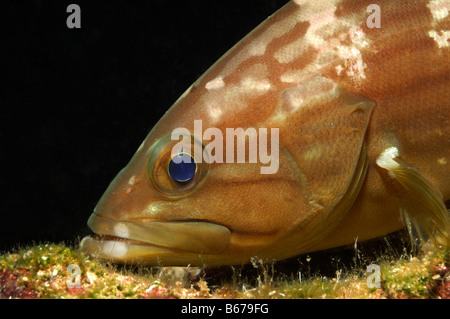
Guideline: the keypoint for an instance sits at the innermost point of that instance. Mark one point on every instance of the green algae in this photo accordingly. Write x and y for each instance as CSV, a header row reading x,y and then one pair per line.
x,y
45,271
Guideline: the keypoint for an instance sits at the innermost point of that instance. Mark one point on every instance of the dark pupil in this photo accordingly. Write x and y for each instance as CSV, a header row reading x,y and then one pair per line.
x,y
182,168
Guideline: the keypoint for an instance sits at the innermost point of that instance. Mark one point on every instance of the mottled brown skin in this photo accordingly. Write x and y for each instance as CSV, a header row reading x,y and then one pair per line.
x,y
410,82
399,96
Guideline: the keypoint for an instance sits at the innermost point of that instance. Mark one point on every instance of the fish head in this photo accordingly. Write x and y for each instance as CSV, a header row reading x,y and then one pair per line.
x,y
184,200
202,210
247,162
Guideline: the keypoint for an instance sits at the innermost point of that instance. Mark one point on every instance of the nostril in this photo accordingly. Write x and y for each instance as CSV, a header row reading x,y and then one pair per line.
x,y
133,180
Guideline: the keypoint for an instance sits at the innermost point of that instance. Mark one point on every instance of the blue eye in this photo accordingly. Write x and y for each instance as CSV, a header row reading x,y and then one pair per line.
x,y
173,169
182,168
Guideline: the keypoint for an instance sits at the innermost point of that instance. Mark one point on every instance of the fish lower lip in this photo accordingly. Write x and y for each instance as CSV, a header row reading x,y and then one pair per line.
x,y
116,248
158,236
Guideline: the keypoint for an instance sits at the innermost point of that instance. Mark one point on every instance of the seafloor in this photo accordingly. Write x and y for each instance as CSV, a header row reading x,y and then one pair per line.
x,y
61,271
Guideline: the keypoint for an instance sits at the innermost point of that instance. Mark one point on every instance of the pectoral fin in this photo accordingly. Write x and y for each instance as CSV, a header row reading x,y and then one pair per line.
x,y
421,206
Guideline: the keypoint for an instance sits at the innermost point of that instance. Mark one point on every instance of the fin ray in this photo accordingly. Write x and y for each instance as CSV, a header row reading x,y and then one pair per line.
x,y
422,209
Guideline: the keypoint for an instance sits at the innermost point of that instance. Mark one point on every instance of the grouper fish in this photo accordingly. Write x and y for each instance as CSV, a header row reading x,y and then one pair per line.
x,y
328,123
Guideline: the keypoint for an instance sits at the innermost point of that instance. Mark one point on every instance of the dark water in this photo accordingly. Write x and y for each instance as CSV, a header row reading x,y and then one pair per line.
x,y
77,103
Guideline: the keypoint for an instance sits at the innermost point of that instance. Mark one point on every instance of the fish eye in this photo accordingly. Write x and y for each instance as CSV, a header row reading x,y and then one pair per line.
x,y
182,168
174,169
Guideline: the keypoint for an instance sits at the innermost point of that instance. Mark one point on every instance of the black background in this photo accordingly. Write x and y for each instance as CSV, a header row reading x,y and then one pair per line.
x,y
75,104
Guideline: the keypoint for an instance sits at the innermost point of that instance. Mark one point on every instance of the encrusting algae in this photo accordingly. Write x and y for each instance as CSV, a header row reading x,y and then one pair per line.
x,y
59,271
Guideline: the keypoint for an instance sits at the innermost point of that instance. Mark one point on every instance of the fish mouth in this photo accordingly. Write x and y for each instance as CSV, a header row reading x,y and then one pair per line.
x,y
152,241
